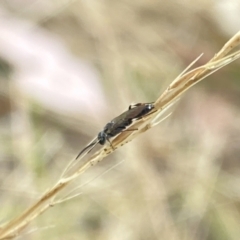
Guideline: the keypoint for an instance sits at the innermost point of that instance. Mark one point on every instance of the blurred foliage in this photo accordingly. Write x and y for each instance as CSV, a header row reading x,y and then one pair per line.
x,y
178,181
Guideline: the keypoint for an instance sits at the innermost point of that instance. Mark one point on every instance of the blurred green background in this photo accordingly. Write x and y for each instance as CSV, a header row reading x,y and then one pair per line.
x,y
68,67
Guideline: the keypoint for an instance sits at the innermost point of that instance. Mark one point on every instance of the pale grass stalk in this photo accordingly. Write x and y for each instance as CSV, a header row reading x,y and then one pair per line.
x,y
70,194
181,84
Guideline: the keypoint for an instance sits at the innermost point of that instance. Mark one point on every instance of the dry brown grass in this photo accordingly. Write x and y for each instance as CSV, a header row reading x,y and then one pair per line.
x,y
181,84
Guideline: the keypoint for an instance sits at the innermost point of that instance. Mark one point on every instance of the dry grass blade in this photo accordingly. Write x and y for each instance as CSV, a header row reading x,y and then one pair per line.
x,y
169,97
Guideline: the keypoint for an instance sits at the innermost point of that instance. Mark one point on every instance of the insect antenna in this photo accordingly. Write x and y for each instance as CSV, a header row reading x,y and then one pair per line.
x,y
91,145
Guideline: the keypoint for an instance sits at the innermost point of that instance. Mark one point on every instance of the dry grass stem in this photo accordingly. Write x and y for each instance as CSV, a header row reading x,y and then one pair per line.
x,y
181,84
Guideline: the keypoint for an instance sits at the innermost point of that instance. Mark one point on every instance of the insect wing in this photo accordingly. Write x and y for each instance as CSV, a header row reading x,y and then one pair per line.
x,y
124,120
128,115
137,111
117,125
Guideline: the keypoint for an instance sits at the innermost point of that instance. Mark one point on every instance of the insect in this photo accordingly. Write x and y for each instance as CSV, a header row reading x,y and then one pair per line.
x,y
120,123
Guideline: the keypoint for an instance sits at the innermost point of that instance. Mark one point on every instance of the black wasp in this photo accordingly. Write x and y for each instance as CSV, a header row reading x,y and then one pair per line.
x,y
120,123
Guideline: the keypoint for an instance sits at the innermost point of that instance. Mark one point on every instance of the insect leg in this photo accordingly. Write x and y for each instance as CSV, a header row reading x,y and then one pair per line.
x,y
134,105
110,143
133,129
